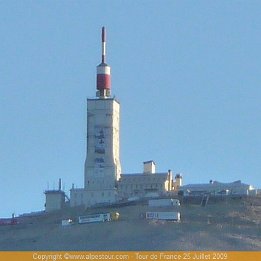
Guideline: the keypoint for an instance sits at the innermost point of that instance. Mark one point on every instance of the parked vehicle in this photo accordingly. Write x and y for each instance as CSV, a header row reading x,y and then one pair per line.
x,y
132,199
67,222
99,217
171,216
115,216
164,202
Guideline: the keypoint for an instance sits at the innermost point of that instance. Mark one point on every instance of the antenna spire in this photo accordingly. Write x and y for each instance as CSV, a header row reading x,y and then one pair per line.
x,y
103,44
103,73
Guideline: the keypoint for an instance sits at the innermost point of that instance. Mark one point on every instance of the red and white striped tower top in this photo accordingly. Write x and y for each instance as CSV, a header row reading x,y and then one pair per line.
x,y
103,72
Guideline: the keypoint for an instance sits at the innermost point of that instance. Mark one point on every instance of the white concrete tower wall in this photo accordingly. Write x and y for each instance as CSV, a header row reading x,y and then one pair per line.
x,y
102,165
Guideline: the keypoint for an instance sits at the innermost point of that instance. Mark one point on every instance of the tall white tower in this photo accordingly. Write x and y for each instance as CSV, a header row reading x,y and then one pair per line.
x,y
102,164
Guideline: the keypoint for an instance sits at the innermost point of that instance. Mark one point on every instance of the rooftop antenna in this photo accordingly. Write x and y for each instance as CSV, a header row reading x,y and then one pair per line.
x,y
60,184
103,44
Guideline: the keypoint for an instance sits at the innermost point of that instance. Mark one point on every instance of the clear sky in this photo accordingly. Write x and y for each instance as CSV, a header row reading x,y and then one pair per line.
x,y
187,74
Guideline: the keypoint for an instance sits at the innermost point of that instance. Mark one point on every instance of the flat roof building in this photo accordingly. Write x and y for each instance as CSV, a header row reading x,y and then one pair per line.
x,y
147,184
218,188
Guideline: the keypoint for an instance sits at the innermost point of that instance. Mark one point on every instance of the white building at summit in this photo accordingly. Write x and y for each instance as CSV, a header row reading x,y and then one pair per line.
x,y
102,164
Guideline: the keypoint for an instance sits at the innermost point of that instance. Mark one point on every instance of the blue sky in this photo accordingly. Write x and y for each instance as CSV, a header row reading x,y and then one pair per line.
x,y
187,74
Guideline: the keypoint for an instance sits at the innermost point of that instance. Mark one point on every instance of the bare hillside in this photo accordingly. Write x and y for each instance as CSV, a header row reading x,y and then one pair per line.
x,y
225,225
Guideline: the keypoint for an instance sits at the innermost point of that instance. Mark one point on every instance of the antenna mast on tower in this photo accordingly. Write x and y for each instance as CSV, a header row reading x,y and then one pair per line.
x,y
103,72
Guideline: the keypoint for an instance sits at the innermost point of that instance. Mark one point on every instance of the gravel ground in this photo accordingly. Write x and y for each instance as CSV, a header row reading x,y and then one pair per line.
x,y
230,225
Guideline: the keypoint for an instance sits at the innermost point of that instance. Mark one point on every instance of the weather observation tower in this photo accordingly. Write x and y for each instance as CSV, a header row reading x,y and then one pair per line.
x,y
102,165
